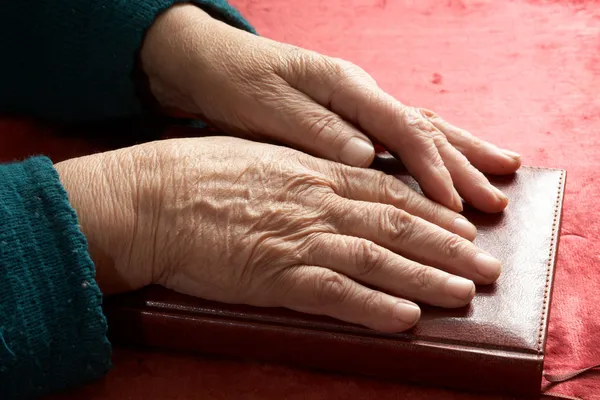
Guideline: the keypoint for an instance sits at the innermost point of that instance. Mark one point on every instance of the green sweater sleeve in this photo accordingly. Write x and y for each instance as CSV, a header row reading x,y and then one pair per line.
x,y
73,60
52,329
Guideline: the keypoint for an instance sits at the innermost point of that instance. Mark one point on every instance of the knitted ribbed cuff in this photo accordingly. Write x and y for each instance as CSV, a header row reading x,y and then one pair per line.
x,y
52,329
73,61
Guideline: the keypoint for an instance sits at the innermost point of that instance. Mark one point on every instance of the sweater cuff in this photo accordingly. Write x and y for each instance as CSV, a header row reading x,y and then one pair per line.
x,y
79,57
52,329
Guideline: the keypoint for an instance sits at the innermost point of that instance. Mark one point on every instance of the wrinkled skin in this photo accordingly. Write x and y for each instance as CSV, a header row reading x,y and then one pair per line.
x,y
257,88
237,221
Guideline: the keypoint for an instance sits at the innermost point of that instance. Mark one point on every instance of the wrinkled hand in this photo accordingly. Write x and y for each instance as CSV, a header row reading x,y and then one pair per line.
x,y
330,108
236,221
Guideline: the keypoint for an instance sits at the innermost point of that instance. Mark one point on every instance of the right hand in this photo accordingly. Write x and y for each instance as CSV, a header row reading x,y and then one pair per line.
x,y
242,222
261,89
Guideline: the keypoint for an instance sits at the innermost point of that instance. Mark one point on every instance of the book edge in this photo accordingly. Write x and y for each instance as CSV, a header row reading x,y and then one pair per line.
x,y
544,315
551,265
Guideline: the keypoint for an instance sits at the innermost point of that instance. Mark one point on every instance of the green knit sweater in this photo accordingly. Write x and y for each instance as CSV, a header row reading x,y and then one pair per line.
x,y
71,61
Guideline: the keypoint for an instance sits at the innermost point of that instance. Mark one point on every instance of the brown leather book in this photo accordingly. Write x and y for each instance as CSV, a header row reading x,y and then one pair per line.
x,y
495,344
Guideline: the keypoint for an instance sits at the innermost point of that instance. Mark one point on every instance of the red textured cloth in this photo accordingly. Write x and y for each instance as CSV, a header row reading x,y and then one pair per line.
x,y
523,74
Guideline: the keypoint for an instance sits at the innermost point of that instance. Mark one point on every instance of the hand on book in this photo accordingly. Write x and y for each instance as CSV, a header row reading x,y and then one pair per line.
x,y
260,89
232,220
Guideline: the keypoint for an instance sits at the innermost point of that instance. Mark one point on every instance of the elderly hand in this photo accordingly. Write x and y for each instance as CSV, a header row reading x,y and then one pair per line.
x,y
237,221
330,108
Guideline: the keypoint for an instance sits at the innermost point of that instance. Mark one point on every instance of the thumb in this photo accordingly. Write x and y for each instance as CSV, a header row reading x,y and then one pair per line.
x,y
312,128
306,82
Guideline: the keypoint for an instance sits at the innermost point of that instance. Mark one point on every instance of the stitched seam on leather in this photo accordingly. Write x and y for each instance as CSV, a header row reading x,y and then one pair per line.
x,y
542,169
550,262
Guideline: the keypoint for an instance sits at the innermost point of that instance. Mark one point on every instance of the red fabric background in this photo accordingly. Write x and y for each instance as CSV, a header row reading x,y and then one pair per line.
x,y
523,74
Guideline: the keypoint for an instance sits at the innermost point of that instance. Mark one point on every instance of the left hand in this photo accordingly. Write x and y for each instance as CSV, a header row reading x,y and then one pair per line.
x,y
236,221
262,89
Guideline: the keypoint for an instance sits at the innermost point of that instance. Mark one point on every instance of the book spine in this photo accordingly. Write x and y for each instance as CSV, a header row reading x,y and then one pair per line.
x,y
430,364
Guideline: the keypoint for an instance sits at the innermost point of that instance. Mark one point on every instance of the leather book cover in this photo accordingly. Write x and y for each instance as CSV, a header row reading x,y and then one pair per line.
x,y
495,344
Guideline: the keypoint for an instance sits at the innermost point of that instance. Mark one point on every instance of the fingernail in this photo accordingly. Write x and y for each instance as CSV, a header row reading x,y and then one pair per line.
x,y
498,193
464,228
487,266
460,288
357,152
407,313
511,154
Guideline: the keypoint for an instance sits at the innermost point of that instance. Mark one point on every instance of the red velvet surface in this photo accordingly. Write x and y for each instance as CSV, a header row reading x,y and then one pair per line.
x,y
524,74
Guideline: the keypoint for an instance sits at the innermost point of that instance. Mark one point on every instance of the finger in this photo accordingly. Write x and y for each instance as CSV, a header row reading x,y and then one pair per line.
x,y
412,237
351,93
310,127
367,262
318,290
411,138
473,186
378,187
485,156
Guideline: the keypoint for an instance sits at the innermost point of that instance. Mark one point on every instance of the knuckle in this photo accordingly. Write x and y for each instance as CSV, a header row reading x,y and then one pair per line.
x,y
305,165
338,68
341,175
372,303
314,243
369,258
469,140
330,289
424,278
352,71
428,114
436,160
392,190
453,246
414,121
396,224
438,138
437,142
472,145
307,189
328,125
433,212
330,207
337,76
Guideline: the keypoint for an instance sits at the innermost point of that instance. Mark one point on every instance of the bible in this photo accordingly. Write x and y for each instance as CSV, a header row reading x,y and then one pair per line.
x,y
495,344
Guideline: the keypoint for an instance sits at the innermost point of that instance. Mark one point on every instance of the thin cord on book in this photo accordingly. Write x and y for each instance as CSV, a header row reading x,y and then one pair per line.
x,y
561,396
563,377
